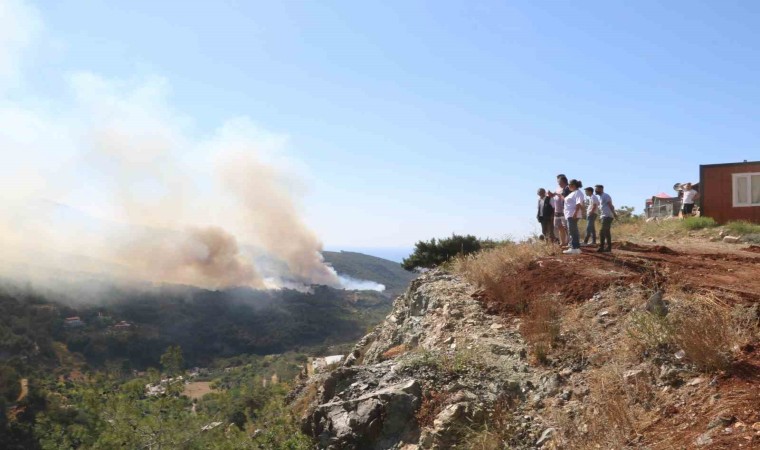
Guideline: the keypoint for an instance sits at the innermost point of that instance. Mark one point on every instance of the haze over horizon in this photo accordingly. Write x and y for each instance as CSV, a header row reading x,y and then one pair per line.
x,y
371,126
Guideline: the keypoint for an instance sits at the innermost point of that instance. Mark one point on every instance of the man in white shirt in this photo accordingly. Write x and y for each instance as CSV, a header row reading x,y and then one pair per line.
x,y
592,212
573,212
689,197
608,215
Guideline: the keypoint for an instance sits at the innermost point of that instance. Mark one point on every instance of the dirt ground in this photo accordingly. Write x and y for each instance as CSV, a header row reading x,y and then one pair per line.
x,y
730,272
695,266
197,389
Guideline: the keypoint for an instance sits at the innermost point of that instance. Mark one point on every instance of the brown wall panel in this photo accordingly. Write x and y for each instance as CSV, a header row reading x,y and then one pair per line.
x,y
716,192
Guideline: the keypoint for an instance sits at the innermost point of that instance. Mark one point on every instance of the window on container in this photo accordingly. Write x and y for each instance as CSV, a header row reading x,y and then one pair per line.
x,y
746,189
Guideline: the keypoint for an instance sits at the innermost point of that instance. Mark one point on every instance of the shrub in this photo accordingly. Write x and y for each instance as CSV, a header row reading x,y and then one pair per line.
x,y
421,360
742,227
649,330
429,254
461,362
697,223
625,215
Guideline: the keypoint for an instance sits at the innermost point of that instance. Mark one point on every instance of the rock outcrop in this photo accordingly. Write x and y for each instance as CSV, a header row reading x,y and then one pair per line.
x,y
429,376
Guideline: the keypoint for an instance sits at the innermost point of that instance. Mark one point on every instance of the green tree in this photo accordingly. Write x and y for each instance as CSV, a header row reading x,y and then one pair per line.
x,y
172,360
429,254
625,214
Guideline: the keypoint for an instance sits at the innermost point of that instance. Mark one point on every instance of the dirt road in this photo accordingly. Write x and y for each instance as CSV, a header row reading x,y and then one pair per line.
x,y
733,274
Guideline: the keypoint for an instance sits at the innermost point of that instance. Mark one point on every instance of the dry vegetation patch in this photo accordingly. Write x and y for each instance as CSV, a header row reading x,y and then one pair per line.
x,y
432,404
647,378
493,269
395,351
541,325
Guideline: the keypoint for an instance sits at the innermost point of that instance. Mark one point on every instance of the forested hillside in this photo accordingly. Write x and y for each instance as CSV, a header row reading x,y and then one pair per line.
x,y
58,351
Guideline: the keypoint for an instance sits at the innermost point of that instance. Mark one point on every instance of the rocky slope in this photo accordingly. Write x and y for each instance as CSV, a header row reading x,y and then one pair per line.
x,y
652,347
434,374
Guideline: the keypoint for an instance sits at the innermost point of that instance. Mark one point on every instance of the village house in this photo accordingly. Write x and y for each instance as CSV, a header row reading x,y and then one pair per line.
x,y
730,191
662,205
318,364
159,388
123,325
73,322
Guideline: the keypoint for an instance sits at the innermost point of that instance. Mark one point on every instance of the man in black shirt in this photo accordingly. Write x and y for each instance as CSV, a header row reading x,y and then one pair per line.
x,y
545,215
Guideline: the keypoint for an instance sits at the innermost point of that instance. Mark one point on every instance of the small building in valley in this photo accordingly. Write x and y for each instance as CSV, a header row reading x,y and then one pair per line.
x,y
730,191
318,364
73,322
122,326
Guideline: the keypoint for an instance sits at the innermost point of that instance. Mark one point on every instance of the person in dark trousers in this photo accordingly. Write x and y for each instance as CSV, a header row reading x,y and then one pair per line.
x,y
688,199
608,214
592,212
573,211
545,215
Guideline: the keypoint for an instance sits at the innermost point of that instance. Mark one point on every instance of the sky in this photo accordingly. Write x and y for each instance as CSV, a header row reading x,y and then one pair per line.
x,y
407,120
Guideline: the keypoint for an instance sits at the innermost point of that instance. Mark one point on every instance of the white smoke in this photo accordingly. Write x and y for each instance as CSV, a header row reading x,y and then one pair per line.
x,y
153,197
353,284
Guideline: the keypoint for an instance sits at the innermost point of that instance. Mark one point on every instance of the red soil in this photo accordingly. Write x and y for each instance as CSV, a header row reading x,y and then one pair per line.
x,y
578,278
731,273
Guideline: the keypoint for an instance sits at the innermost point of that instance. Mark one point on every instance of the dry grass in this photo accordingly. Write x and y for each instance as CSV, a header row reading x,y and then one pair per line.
x,y
612,399
709,330
489,269
500,428
305,400
705,327
432,404
394,351
670,228
541,325
664,228
197,389
742,227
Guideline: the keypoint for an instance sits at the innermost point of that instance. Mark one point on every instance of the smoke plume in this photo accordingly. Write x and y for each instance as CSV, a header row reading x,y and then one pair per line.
x,y
111,180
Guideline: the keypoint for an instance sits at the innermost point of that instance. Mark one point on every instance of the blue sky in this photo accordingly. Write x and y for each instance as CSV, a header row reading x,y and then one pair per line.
x,y
416,119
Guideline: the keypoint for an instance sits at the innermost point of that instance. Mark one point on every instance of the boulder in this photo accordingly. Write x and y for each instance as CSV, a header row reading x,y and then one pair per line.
x,y
545,437
371,421
449,423
634,376
732,239
656,305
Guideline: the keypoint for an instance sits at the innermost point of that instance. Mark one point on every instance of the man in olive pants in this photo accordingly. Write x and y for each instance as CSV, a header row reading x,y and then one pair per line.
x,y
608,214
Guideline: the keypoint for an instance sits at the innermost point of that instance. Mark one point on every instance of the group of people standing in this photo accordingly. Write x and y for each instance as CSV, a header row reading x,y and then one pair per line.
x,y
559,212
